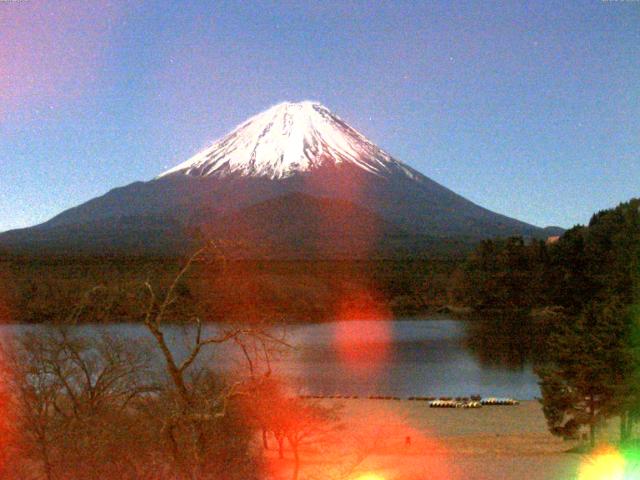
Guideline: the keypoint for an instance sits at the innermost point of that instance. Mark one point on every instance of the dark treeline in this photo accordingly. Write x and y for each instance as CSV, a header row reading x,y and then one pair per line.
x,y
587,262
571,305
96,290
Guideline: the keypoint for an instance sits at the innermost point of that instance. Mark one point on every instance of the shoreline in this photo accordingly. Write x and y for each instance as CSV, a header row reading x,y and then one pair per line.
x,y
505,442
433,315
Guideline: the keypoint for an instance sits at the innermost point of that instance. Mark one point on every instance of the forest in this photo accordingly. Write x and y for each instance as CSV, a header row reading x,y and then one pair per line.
x,y
573,305
49,289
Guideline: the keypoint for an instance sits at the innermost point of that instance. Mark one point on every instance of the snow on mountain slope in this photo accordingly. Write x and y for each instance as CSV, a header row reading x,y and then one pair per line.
x,y
289,138
260,176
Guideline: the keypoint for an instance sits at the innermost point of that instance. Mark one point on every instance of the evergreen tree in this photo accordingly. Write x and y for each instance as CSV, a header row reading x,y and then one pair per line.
x,y
505,275
587,376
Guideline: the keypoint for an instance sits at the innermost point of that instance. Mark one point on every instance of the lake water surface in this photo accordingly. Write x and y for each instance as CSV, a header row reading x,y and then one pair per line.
x,y
401,358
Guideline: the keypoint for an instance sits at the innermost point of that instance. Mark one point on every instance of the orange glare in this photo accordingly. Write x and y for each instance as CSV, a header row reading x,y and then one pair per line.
x,y
608,464
370,476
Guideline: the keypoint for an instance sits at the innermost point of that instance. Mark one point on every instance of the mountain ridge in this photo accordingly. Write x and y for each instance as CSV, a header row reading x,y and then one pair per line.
x,y
290,148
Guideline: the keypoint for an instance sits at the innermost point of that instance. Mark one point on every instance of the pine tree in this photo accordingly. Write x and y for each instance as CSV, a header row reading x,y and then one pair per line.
x,y
587,376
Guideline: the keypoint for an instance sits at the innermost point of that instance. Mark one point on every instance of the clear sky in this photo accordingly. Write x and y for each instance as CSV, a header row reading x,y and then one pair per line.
x,y
531,109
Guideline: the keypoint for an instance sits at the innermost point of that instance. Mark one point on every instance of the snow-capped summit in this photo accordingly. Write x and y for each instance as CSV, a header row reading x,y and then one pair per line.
x,y
285,139
294,180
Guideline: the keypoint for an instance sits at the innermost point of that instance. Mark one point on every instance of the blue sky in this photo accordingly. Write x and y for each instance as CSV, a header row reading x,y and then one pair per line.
x,y
531,109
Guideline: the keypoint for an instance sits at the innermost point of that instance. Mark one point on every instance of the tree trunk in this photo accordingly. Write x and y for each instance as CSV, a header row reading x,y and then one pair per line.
x,y
592,422
201,448
624,426
280,447
629,426
296,458
48,471
170,363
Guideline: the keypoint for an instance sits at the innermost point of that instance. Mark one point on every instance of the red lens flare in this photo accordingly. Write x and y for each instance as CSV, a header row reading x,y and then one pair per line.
x,y
363,336
6,424
369,442
7,420
390,446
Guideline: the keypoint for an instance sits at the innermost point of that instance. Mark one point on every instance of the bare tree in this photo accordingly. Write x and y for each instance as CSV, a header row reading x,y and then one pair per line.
x,y
193,412
89,405
71,395
34,394
290,420
308,424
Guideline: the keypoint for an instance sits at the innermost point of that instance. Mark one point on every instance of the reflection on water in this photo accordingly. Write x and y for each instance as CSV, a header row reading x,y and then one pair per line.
x,y
507,339
427,358
502,342
423,358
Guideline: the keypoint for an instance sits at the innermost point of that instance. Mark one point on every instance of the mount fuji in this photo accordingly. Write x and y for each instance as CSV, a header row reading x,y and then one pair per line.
x,y
295,180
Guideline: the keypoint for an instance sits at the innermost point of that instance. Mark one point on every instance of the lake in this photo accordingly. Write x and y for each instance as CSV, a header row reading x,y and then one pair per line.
x,y
401,358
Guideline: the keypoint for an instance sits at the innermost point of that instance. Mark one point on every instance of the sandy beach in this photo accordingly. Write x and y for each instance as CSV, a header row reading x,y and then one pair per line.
x,y
407,440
